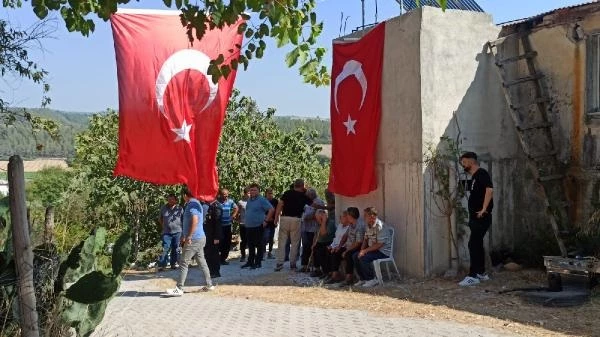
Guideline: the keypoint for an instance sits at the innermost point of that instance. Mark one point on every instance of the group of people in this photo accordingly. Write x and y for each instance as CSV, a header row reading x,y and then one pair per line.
x,y
332,251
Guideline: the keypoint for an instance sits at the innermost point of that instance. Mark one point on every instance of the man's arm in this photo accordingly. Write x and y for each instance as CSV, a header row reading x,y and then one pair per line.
x,y
188,236
374,247
278,211
234,210
161,221
489,193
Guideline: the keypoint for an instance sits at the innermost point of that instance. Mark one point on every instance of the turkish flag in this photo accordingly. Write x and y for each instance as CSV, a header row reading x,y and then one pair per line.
x,y
170,111
356,113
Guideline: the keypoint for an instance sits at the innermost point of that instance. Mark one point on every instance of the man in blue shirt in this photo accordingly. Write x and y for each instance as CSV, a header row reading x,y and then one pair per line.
x,y
230,210
258,212
193,240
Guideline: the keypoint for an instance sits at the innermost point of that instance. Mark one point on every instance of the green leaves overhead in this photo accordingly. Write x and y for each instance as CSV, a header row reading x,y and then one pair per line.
x,y
286,22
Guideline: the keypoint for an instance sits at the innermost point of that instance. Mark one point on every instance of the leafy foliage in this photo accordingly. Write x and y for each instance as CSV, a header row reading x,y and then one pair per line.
x,y
49,185
254,149
441,161
287,22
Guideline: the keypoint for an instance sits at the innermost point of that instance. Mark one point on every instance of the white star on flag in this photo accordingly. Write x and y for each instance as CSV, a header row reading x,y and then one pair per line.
x,y
183,133
350,125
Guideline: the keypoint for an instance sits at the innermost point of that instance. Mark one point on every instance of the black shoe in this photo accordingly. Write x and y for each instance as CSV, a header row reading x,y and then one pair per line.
x,y
270,256
242,259
258,265
324,277
316,273
224,263
278,267
215,275
247,265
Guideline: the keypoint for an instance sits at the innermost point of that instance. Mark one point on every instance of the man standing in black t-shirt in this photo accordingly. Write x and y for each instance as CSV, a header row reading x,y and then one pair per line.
x,y
288,213
480,216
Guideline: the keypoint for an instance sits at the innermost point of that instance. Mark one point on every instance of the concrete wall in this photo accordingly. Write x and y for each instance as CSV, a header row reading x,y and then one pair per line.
x,y
400,193
436,67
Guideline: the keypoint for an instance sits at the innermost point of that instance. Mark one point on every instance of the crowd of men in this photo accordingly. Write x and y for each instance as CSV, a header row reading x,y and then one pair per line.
x,y
308,231
326,248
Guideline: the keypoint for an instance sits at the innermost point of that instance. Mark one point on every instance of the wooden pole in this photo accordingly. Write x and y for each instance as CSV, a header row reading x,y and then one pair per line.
x,y
48,225
22,248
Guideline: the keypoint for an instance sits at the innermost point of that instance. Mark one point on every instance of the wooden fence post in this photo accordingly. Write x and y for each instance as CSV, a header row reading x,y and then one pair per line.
x,y
22,248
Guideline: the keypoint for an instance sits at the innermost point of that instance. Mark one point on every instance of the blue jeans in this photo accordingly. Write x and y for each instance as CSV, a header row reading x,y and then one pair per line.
x,y
364,264
170,242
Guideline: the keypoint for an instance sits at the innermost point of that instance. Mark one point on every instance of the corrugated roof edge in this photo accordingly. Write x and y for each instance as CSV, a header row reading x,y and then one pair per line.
x,y
531,18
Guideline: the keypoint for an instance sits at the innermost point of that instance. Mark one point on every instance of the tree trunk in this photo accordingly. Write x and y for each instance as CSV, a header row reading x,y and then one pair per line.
x,y
22,248
48,225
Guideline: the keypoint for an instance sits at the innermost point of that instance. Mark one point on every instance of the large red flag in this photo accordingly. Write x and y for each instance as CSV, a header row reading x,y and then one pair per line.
x,y
356,113
170,112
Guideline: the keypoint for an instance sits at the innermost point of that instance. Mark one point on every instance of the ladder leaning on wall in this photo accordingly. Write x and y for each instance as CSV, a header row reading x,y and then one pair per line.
x,y
528,102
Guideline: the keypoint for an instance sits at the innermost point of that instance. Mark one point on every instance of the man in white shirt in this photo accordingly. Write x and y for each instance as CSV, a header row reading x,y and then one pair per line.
x,y
336,249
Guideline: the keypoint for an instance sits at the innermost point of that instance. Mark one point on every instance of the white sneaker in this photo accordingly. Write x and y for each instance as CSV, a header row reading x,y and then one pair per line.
x,y
208,288
175,292
483,277
469,281
370,283
359,283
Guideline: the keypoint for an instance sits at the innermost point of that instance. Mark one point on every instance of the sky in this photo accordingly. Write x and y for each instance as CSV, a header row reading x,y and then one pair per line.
x,y
82,70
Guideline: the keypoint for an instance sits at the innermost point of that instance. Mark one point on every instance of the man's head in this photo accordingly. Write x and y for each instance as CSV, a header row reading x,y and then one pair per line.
x,y
468,161
269,193
254,190
187,194
321,215
171,199
353,214
344,218
299,185
224,194
311,193
370,216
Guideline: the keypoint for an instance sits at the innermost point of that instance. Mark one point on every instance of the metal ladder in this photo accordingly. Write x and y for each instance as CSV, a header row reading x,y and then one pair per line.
x,y
529,105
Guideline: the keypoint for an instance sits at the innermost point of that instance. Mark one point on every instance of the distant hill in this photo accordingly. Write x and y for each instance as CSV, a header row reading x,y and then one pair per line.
x,y
291,123
18,139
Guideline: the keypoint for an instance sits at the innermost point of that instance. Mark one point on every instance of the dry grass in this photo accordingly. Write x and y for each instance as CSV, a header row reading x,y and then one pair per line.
x,y
37,164
437,299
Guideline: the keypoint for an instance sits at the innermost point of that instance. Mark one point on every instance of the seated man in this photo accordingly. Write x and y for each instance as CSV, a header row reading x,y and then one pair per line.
x,y
354,239
376,245
336,249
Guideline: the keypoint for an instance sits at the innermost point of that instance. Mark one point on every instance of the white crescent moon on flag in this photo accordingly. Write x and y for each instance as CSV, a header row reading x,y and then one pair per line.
x,y
351,68
183,60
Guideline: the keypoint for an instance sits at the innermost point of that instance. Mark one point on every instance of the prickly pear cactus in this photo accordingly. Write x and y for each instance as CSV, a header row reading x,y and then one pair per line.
x,y
85,289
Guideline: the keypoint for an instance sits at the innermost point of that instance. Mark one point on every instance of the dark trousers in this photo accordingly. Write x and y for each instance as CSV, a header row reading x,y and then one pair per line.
x,y
225,244
255,248
212,256
334,259
267,239
365,269
243,241
479,227
349,261
307,241
320,256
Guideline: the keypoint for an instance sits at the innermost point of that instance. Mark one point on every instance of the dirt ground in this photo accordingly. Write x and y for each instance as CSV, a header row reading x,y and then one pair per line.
x,y
438,299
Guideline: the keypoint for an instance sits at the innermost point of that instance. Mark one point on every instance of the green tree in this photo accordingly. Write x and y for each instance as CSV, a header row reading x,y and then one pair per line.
x,y
49,185
117,203
254,149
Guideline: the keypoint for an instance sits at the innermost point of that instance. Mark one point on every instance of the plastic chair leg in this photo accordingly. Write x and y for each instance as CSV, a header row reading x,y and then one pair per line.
x,y
377,267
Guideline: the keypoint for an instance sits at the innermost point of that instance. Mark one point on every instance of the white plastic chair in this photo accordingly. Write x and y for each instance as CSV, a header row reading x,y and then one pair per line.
x,y
377,263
